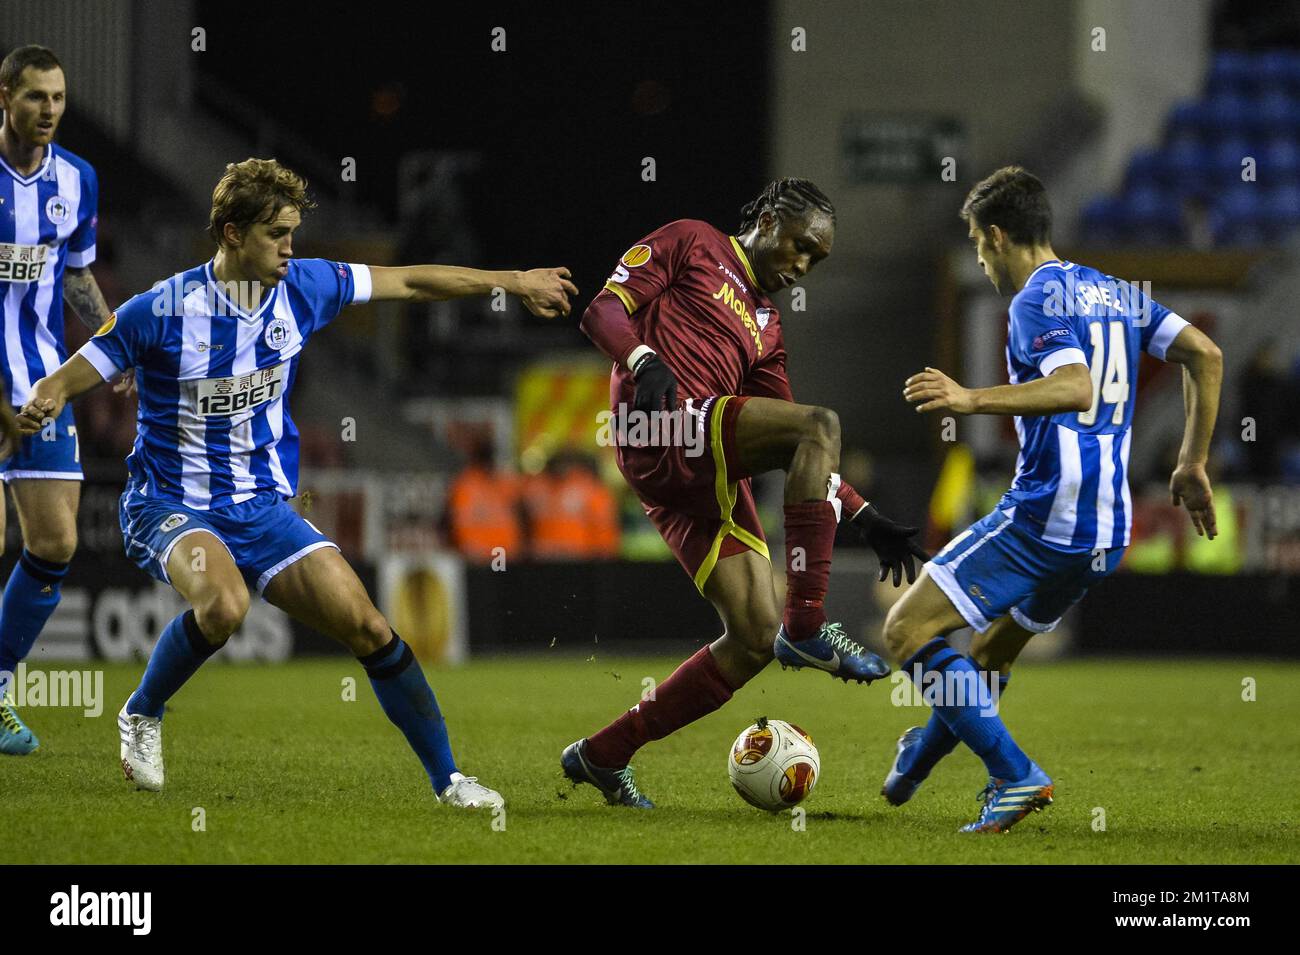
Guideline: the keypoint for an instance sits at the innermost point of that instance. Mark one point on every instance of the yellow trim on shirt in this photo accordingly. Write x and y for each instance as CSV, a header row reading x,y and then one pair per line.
x,y
624,296
744,260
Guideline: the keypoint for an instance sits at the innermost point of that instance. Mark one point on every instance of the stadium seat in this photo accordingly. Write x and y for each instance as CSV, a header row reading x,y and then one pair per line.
x,y
1100,220
1229,155
1277,112
1251,108
1282,207
1189,165
1230,72
1238,217
1275,68
1148,167
1152,215
1190,117
1281,159
1227,113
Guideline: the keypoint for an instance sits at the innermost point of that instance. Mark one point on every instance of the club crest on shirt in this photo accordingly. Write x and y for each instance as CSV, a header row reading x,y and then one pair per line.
x,y
57,209
277,334
763,316
172,521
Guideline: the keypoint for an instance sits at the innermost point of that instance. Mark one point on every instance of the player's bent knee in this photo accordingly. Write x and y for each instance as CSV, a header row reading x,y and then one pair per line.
x,y
755,633
371,633
748,653
898,634
221,614
824,427
57,548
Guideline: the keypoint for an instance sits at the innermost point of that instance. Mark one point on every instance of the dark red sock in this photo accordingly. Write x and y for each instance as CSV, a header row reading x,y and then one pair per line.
x,y
850,500
809,538
695,689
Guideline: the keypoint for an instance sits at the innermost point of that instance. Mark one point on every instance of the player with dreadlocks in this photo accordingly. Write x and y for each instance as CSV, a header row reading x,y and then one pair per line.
x,y
701,403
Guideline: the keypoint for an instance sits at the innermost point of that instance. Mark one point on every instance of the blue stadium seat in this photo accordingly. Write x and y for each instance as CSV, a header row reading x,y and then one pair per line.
x,y
1282,206
1238,216
1148,167
1099,219
1277,112
1189,118
1230,72
1228,113
1276,67
1251,108
1229,154
1152,215
1189,163
1281,158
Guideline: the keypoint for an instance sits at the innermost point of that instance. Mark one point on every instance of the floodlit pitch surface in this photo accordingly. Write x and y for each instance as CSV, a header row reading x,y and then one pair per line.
x,y
1154,762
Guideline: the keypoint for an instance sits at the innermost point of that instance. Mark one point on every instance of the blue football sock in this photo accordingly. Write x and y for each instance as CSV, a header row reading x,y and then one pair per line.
x,y
30,597
972,721
937,741
181,650
407,700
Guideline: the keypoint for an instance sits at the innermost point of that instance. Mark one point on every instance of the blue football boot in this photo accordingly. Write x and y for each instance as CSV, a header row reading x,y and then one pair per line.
x,y
15,738
899,788
1006,802
617,785
831,650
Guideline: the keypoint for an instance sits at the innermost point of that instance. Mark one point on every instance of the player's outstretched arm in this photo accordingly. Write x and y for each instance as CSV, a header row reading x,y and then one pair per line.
x,y
544,292
1189,485
73,378
1068,388
81,291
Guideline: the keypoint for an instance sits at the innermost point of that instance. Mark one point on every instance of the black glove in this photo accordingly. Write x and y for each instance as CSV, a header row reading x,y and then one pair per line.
x,y
892,543
654,384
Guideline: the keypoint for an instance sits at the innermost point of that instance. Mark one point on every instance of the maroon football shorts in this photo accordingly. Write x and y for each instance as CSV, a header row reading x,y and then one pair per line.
x,y
694,491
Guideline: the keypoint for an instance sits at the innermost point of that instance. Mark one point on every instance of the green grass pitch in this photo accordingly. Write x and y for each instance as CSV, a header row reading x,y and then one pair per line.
x,y
285,771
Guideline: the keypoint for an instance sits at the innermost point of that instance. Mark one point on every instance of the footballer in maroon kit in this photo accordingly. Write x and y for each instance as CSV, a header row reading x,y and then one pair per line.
x,y
700,368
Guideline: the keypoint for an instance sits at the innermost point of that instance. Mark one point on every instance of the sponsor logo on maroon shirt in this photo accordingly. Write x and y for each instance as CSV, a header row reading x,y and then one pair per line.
x,y
728,297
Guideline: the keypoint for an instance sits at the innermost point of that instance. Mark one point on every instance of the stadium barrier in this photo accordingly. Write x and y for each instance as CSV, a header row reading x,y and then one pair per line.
x,y
447,611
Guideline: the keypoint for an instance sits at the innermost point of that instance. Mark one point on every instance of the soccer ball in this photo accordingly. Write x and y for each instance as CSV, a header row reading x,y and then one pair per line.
x,y
773,765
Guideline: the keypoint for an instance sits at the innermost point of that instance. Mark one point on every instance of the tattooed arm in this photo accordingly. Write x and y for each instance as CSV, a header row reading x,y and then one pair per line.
x,y
82,292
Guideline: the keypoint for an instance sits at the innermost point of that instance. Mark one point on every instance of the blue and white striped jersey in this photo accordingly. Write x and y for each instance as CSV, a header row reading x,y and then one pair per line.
x,y
1071,485
47,222
213,425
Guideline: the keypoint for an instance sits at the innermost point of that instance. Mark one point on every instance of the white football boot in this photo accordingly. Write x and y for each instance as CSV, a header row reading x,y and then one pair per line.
x,y
142,759
466,792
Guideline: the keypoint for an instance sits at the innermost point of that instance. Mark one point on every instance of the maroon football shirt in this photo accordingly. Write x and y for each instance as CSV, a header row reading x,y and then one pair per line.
x,y
693,298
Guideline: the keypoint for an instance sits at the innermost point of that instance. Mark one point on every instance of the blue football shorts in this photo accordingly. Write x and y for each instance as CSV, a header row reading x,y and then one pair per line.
x,y
51,454
997,567
263,535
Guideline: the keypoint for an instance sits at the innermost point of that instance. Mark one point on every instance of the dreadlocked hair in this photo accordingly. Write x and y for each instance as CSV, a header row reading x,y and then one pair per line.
x,y
786,198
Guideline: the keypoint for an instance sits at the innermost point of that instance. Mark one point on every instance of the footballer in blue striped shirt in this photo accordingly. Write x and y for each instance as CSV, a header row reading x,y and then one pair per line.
x,y
1074,338
215,351
48,218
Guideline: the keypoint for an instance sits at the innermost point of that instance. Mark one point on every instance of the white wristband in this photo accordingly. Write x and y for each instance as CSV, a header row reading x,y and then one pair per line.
x,y
636,355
